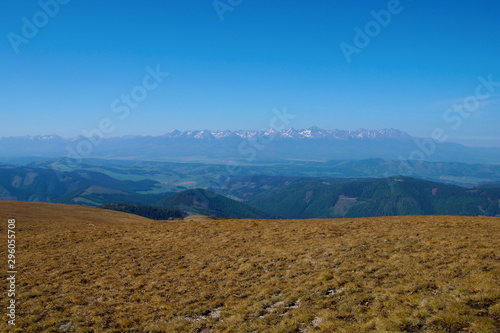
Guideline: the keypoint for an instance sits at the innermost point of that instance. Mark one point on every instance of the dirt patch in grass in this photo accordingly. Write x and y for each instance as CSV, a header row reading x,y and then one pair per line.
x,y
106,271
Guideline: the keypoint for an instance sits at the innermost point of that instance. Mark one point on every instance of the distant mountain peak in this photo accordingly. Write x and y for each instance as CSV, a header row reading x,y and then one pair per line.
x,y
174,132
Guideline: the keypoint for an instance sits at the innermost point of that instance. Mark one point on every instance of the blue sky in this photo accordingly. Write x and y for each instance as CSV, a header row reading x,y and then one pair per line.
x,y
263,55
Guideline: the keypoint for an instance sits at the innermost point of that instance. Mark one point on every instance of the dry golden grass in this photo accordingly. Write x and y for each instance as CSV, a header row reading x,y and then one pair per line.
x,y
105,271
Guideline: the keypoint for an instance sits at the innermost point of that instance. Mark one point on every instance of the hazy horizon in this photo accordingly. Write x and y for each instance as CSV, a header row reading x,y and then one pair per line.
x,y
485,145
152,67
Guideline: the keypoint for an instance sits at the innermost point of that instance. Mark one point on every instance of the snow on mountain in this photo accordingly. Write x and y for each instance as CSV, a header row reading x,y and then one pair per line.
x,y
246,134
310,133
288,144
287,134
45,138
222,134
172,134
203,134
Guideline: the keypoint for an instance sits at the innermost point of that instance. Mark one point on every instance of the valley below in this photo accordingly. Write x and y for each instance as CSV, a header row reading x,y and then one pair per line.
x,y
295,190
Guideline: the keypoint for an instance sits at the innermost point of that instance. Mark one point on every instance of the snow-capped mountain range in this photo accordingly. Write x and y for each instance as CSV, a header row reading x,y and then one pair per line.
x,y
310,133
249,146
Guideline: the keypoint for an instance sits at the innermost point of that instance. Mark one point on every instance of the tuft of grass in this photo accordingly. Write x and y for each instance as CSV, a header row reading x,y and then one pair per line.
x,y
107,271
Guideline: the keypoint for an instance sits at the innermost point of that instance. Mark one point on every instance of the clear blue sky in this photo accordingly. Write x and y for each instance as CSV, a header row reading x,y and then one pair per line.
x,y
231,74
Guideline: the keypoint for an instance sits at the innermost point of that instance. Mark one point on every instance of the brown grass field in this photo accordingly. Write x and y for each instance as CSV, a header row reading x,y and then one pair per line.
x,y
106,271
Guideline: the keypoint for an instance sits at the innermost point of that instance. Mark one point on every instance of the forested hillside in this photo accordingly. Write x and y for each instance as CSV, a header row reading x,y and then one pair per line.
x,y
379,197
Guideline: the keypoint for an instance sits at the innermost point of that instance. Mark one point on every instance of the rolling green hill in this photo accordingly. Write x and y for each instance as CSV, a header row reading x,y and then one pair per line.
x,y
379,197
256,196
79,186
199,201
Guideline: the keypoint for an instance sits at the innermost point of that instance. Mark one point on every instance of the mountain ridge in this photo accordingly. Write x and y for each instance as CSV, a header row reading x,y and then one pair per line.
x,y
249,146
313,132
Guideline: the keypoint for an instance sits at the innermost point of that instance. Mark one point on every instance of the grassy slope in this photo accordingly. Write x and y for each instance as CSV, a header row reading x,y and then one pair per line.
x,y
107,271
